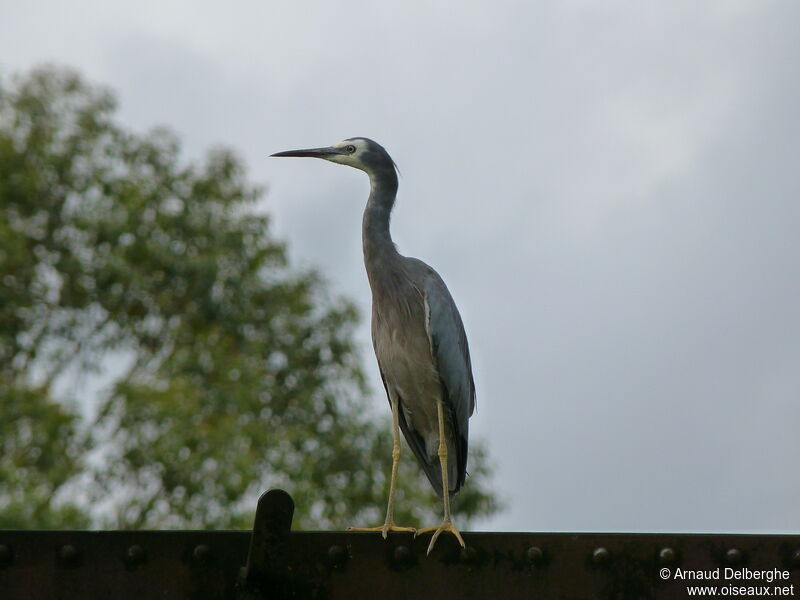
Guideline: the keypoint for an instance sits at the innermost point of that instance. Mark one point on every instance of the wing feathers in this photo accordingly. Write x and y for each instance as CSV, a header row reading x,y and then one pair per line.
x,y
451,353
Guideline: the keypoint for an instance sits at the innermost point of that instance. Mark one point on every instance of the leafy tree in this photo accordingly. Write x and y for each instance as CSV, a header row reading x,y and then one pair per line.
x,y
40,453
228,371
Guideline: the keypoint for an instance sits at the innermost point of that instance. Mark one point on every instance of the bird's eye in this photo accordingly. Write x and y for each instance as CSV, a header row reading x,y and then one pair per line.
x,y
351,148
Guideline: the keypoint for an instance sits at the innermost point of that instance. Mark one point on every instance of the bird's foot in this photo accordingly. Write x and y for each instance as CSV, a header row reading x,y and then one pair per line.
x,y
384,529
437,530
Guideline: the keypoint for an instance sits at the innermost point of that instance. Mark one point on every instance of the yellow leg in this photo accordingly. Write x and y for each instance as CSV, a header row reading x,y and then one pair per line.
x,y
389,524
447,522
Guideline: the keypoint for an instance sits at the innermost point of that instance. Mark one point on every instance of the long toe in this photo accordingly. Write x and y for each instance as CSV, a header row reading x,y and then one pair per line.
x,y
384,529
438,530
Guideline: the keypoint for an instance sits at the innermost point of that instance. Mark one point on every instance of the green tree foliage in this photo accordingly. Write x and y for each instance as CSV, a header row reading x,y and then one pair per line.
x,y
39,452
228,370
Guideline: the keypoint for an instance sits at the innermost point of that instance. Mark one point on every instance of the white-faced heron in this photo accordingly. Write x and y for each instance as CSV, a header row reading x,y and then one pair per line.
x,y
419,341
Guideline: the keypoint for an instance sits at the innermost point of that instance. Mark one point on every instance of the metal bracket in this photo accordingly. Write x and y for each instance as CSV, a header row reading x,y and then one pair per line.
x,y
267,573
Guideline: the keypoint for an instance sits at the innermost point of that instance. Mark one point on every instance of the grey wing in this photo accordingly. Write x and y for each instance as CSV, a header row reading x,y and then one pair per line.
x,y
451,352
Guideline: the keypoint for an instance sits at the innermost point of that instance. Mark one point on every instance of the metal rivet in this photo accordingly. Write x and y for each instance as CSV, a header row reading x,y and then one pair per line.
x,y
402,555
136,555
6,555
601,556
69,555
468,555
534,555
734,556
796,558
666,556
337,556
202,552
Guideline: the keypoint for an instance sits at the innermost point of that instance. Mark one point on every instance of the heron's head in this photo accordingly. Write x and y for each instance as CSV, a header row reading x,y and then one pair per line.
x,y
359,152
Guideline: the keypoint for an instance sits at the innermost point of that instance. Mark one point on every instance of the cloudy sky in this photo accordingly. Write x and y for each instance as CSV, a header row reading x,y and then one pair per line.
x,y
611,190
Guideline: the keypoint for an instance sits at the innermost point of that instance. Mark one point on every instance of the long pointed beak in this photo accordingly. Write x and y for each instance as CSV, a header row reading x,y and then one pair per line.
x,y
311,152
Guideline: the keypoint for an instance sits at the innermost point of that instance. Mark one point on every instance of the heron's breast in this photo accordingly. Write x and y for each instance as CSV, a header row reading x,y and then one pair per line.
x,y
404,355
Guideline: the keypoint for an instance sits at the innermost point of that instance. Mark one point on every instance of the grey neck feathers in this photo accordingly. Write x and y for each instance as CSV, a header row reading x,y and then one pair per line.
x,y
377,240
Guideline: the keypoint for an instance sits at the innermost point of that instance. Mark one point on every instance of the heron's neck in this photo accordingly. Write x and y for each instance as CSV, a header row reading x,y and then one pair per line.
x,y
378,245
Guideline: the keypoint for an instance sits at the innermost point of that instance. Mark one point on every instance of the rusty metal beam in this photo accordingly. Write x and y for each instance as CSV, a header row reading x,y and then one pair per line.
x,y
54,565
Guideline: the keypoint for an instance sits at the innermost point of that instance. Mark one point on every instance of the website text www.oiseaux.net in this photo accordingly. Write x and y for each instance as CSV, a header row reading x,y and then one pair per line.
x,y
704,583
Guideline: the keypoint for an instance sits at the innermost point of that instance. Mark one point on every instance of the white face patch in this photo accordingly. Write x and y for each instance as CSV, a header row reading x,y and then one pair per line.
x,y
351,159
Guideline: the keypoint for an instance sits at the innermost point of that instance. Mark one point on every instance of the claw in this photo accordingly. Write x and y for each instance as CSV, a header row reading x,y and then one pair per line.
x,y
437,531
384,529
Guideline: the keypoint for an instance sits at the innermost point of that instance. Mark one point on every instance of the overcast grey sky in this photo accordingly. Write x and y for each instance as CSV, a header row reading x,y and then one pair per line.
x,y
610,189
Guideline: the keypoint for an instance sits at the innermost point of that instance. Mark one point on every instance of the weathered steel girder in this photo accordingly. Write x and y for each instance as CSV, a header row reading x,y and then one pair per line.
x,y
274,563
